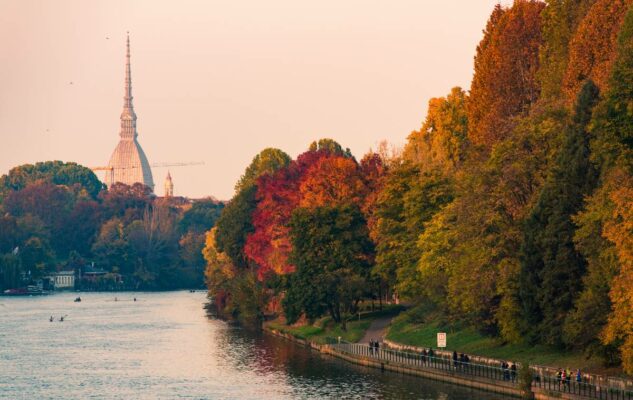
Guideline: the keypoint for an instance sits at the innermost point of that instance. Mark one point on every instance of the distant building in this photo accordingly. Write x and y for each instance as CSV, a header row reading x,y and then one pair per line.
x,y
128,163
64,279
169,186
91,273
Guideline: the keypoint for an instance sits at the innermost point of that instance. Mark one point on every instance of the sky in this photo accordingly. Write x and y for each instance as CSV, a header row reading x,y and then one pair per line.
x,y
217,81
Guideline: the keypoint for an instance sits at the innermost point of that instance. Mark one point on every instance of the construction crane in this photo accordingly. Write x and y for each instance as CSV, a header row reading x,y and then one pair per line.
x,y
154,165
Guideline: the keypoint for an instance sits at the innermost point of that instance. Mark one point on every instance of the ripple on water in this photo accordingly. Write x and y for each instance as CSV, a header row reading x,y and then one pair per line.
x,y
165,347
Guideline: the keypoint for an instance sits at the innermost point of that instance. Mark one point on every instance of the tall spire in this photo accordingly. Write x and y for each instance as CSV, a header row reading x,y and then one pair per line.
x,y
128,116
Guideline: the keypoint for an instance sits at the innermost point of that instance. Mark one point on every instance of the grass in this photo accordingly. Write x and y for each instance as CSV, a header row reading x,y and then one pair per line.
x,y
404,331
325,327
355,330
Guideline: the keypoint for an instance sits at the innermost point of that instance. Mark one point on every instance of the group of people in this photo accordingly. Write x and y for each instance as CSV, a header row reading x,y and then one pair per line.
x,y
460,361
374,346
565,376
509,371
424,354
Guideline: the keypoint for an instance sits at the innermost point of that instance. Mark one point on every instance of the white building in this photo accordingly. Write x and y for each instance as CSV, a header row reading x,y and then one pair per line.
x,y
64,279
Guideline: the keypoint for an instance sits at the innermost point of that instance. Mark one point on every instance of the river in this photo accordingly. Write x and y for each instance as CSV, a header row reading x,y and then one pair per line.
x,y
164,346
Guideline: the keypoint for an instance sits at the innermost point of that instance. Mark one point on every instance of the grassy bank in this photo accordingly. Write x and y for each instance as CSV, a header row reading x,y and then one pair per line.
x,y
325,327
466,340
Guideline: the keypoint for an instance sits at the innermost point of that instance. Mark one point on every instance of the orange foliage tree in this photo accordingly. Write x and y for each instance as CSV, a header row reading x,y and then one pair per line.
x,y
593,47
505,82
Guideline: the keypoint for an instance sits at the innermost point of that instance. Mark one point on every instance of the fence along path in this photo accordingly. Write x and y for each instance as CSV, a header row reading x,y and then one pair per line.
x,y
504,376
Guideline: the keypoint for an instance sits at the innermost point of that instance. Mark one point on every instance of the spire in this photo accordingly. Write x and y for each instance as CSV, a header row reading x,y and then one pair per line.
x,y
128,117
169,186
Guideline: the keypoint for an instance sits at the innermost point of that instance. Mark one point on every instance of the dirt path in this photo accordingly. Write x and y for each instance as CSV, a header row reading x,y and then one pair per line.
x,y
377,330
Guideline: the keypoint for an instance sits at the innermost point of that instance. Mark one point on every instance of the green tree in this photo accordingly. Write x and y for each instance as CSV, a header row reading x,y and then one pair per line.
x,y
201,216
560,21
81,180
551,268
266,162
332,253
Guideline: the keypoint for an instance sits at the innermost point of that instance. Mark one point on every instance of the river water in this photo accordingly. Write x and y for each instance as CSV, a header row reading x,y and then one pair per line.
x,y
164,346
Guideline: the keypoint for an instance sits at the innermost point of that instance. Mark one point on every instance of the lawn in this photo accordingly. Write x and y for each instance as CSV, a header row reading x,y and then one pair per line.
x,y
402,330
320,330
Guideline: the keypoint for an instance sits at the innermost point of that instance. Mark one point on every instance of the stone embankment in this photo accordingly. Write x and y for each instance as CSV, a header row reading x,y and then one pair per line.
x,y
480,373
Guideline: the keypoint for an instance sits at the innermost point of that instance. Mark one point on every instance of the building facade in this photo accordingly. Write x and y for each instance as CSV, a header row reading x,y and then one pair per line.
x,y
64,280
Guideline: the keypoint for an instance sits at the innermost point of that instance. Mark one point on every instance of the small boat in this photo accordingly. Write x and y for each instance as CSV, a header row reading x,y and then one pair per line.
x,y
78,300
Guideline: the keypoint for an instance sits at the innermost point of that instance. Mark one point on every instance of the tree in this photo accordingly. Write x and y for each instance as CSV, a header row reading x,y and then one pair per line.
x,y
234,225
560,21
551,268
266,162
201,216
612,151
333,254
111,248
125,201
592,50
235,222
331,181
406,201
442,141
80,180
269,246
505,84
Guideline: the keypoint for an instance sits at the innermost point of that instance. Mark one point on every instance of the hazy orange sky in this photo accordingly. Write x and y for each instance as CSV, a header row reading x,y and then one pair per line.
x,y
218,81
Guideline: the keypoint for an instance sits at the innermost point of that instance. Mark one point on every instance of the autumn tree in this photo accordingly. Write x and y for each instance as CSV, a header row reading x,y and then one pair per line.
x,y
269,246
560,20
612,152
592,50
505,83
442,141
235,223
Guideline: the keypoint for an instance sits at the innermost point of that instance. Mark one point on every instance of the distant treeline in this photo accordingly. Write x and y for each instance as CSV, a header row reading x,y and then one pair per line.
x,y
59,216
510,209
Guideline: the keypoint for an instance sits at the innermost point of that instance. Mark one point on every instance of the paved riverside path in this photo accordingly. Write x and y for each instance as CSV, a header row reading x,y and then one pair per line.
x,y
377,330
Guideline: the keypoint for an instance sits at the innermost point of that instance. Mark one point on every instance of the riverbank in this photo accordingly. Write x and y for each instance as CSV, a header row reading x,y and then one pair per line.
x,y
322,329
441,370
475,375
406,332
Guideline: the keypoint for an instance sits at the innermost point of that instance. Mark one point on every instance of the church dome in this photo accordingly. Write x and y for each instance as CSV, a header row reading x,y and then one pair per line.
x,y
129,165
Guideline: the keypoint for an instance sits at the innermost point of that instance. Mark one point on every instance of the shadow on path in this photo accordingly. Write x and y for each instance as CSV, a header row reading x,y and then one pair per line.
x,y
377,330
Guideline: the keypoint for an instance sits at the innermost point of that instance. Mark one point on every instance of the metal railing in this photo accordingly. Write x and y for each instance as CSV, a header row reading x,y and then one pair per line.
x,y
478,370
425,361
591,391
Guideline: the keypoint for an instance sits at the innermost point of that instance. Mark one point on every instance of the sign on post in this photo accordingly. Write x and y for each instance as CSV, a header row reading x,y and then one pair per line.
x,y
441,339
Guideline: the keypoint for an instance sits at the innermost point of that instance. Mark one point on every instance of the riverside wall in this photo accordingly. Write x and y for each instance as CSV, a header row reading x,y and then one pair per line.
x,y
429,373
448,376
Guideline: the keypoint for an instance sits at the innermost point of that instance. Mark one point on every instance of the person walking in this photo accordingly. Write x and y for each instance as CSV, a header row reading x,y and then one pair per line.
x,y
513,372
454,360
578,376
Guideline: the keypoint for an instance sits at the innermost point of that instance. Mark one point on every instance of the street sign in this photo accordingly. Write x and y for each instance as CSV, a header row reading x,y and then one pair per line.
x,y
441,339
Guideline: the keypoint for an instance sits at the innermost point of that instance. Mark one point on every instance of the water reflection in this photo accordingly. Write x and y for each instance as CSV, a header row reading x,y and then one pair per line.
x,y
164,346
